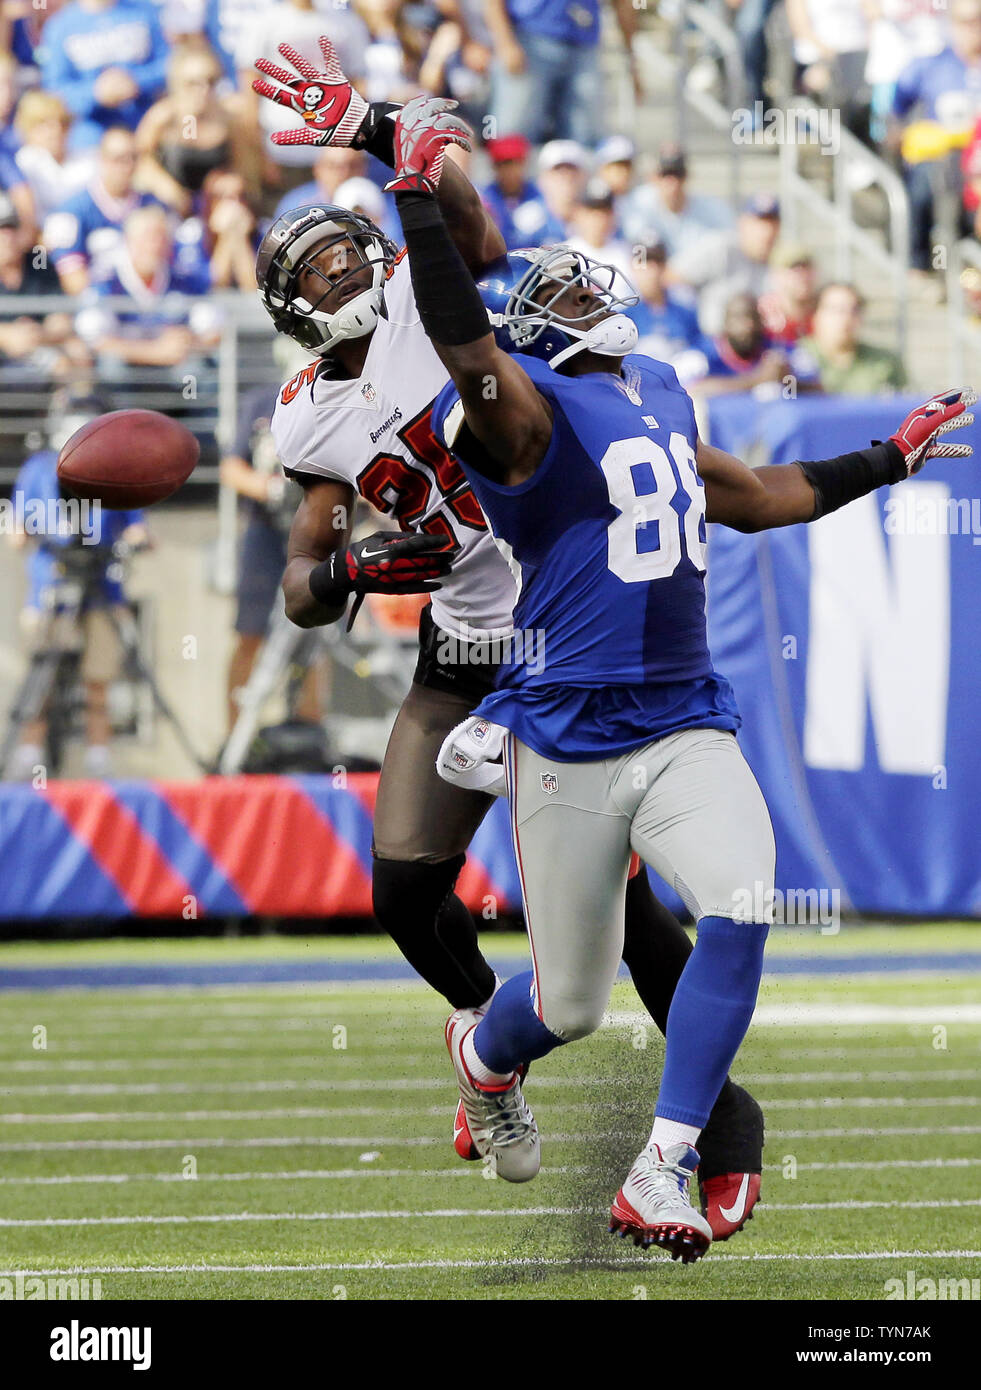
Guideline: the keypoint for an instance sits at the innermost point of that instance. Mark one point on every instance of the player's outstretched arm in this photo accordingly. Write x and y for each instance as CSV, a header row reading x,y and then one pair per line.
x,y
335,114
760,499
503,411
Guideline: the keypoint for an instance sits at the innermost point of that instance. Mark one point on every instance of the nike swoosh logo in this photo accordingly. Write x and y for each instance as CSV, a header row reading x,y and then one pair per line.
x,y
738,1210
457,1131
371,554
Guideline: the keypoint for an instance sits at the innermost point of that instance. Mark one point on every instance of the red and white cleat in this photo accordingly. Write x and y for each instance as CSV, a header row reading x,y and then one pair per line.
x,y
653,1205
728,1202
462,1141
499,1122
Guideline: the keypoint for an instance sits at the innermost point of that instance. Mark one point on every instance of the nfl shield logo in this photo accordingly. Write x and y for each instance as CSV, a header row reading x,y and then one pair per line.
x,y
368,391
550,783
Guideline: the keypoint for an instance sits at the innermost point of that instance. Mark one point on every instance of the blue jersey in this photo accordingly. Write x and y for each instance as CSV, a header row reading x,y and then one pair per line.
x,y
78,45
607,542
571,21
86,232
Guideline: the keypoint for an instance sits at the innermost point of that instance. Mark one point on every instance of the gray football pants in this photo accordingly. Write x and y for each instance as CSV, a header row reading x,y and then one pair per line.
x,y
690,807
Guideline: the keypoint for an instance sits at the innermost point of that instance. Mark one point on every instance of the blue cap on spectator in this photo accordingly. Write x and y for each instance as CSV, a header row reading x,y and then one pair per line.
x,y
618,149
762,205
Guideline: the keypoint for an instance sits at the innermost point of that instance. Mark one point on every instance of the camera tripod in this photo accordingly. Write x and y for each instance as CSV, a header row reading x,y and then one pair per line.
x,y
290,651
50,690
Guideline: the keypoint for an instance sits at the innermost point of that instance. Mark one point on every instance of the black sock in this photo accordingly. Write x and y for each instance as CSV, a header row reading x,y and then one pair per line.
x,y
436,933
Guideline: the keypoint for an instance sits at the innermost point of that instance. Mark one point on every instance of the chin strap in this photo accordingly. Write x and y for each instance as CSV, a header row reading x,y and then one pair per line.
x,y
611,337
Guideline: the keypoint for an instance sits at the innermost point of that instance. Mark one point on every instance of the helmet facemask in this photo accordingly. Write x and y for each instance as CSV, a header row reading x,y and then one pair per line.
x,y
302,316
531,315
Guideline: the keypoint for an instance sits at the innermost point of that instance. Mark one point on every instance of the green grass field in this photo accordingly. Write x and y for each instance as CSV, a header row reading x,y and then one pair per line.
x,y
317,1121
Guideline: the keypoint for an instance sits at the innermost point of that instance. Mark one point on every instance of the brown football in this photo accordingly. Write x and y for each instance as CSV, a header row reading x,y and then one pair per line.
x,y
128,458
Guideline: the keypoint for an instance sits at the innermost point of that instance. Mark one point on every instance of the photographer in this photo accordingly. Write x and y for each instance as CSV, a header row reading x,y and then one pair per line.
x,y
71,585
253,470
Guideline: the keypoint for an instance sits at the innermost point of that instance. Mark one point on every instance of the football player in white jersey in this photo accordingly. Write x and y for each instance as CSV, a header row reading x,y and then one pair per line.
x,y
357,420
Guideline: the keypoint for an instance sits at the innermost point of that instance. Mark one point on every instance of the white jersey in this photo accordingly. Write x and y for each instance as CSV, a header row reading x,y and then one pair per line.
x,y
375,433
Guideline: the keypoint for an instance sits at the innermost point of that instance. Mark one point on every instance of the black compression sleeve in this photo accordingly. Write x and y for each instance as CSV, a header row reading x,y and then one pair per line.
x,y
450,307
377,135
841,480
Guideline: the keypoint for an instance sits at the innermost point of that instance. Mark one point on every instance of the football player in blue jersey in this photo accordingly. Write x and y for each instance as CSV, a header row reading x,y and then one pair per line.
x,y
620,737
422,826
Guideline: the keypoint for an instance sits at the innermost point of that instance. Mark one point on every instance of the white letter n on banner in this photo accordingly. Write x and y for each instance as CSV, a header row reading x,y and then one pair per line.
x,y
879,639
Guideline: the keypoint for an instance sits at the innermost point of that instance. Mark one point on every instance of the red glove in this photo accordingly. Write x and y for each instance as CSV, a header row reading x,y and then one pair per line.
x,y
917,434
423,129
333,111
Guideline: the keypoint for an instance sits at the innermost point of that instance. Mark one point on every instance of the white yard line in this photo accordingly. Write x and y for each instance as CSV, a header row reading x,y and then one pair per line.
x,y
377,1112
177,1088
460,1171
422,1141
830,1015
383,1267
435,1214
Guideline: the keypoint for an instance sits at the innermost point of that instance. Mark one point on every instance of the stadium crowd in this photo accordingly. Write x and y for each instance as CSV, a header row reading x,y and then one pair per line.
x,y
137,174
135,160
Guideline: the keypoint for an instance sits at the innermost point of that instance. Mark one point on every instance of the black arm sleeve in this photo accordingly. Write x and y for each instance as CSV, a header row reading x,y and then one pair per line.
x,y
841,480
449,304
377,135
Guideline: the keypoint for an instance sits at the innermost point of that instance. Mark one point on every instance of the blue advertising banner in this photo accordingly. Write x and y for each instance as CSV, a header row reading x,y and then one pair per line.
x,y
854,647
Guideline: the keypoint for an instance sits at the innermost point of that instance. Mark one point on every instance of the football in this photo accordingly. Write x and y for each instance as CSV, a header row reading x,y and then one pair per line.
x,y
128,458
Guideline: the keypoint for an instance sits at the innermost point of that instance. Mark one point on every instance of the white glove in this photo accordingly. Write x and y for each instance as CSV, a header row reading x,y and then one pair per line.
x,y
470,757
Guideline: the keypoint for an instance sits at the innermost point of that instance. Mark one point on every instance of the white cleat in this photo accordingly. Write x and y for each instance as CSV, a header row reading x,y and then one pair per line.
x,y
654,1207
500,1124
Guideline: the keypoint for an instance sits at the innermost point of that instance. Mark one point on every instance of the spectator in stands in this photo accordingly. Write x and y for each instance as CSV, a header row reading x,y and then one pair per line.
x,y
107,60
229,239
457,60
39,344
721,264
223,22
831,44
21,25
298,23
749,21
614,164
546,75
743,357
787,308
668,327
901,31
190,132
392,50
514,202
846,365
594,222
84,233
161,328
664,205
43,122
946,92
252,470
9,139
562,172
363,196
333,167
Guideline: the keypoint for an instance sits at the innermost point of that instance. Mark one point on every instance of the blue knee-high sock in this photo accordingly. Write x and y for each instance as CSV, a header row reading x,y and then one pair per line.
x,y
511,1032
709,1016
